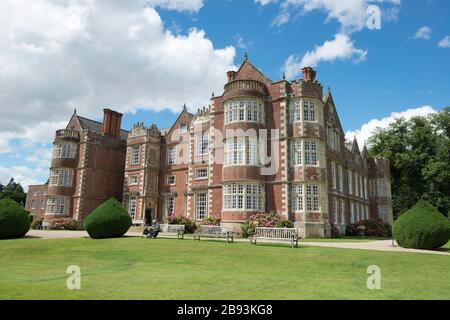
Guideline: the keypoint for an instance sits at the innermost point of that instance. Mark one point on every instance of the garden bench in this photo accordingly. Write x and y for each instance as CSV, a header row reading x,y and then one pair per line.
x,y
172,229
216,232
276,234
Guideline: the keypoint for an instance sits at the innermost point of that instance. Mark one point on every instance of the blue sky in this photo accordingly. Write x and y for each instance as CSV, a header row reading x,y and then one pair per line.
x,y
189,45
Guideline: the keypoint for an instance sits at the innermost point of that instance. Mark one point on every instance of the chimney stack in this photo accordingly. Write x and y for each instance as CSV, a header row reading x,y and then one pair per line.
x,y
231,75
309,74
112,121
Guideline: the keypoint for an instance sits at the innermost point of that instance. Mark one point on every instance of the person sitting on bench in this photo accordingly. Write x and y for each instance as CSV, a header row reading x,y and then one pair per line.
x,y
154,230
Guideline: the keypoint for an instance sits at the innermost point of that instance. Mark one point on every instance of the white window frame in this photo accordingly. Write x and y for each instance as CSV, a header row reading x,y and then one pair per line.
x,y
133,179
64,150
350,182
341,178
297,198
201,206
132,207
169,206
243,197
202,144
58,205
135,155
309,111
183,128
199,176
171,180
334,175
313,198
241,151
244,110
172,155
61,177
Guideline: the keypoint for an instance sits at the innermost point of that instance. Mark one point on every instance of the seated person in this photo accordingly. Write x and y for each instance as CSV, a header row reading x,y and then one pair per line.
x,y
154,229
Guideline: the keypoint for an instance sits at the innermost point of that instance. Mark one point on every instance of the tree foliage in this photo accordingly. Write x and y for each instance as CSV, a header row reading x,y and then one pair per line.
x,y
14,191
419,153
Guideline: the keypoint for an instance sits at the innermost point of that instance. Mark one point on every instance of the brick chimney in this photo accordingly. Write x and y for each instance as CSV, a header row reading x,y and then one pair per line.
x,y
231,75
112,121
309,74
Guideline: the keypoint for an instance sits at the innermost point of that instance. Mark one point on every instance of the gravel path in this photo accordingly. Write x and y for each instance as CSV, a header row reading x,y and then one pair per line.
x,y
383,245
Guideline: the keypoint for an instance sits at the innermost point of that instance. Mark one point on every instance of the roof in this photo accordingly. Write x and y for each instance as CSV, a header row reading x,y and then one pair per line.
x,y
95,126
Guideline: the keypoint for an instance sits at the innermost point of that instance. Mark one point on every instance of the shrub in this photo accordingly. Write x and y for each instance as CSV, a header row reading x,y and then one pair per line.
x,y
372,228
189,225
14,220
109,220
37,223
335,234
211,221
422,227
265,220
63,224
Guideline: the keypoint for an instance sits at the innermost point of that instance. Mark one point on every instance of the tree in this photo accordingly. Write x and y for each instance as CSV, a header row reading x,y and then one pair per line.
x,y
419,152
14,191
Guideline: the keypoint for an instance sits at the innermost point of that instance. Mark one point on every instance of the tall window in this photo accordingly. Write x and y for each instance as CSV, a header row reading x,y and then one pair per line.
x,y
356,185
248,197
352,212
245,110
61,177
309,111
33,204
135,155
296,153
335,211
361,194
202,144
342,211
350,182
169,206
297,198
365,189
132,207
241,151
333,175
64,150
341,178
312,198
172,155
58,205
201,206
333,138
310,153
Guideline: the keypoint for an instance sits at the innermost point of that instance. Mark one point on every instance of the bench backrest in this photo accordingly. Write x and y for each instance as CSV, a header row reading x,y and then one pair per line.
x,y
276,233
172,228
214,230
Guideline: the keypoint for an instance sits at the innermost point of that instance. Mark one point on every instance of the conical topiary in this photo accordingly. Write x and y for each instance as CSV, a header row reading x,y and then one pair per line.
x,y
14,220
109,220
422,227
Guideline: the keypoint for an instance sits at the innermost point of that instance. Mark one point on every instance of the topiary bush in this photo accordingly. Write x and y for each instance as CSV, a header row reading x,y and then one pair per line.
x,y
109,220
422,227
14,220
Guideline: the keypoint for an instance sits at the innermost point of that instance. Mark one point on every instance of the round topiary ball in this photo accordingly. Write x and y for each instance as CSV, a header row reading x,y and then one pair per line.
x,y
422,227
109,220
14,220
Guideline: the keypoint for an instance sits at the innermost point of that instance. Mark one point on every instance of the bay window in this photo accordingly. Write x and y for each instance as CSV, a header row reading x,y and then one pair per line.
x,y
312,198
242,151
61,177
64,150
297,198
245,197
303,150
58,205
244,110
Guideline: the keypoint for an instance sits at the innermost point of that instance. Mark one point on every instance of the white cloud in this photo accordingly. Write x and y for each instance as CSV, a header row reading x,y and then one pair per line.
x,y
368,129
59,55
265,2
351,14
24,175
423,33
341,48
445,43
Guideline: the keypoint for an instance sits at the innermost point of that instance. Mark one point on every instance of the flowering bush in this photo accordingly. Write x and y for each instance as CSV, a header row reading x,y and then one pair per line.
x,y
371,228
264,220
211,221
63,224
189,225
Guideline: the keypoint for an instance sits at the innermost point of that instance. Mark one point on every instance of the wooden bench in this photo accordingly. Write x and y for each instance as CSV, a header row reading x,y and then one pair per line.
x,y
171,229
215,232
276,234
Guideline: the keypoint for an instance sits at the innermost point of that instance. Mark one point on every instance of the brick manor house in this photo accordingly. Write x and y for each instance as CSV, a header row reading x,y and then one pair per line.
x,y
211,163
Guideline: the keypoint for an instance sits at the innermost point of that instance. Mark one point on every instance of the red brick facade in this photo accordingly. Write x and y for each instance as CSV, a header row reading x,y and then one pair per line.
x,y
261,146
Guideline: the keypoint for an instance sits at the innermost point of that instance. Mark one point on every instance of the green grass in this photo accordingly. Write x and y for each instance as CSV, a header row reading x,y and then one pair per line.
x,y
134,268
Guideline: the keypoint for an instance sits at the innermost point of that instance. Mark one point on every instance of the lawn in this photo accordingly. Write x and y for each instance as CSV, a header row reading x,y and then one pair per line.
x,y
134,268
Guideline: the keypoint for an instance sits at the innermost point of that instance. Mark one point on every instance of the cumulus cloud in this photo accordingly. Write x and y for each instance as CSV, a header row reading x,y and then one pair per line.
x,y
25,175
423,33
445,43
341,48
368,129
351,14
59,55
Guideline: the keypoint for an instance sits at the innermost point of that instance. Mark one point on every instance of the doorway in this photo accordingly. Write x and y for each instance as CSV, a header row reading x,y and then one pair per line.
x,y
148,216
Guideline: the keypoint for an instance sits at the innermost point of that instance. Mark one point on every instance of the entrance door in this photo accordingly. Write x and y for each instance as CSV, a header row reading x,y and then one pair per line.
x,y
148,216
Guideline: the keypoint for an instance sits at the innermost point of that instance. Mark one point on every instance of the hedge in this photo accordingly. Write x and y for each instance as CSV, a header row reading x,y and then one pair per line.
x,y
14,220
